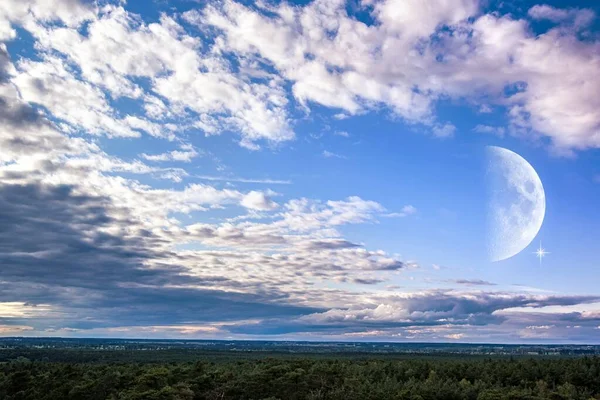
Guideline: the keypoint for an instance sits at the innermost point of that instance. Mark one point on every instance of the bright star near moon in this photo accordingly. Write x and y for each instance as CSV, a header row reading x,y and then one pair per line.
x,y
541,252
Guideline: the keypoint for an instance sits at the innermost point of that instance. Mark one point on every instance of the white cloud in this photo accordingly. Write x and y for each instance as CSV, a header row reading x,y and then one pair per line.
x,y
341,116
305,215
579,17
548,12
14,329
455,336
444,131
485,109
337,61
406,211
488,129
50,84
244,180
258,201
17,12
308,31
119,47
420,18
327,56
185,154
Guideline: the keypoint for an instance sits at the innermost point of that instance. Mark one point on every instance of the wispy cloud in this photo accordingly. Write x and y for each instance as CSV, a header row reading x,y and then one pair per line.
x,y
444,130
329,154
493,130
406,211
185,154
472,282
243,180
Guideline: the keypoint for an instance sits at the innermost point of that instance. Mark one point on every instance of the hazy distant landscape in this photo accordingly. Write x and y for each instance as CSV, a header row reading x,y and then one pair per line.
x,y
192,348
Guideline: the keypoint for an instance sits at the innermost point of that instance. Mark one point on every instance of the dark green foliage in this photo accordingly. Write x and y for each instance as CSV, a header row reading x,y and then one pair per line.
x,y
305,378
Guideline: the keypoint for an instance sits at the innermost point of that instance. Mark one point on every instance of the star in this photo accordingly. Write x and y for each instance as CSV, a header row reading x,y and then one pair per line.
x,y
541,252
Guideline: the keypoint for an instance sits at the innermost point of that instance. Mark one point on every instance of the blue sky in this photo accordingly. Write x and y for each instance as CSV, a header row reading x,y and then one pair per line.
x,y
304,170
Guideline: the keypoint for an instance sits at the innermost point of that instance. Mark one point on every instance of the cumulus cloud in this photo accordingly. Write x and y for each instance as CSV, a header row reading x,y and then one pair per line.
x,y
71,221
258,201
438,307
431,315
237,81
17,12
338,61
187,81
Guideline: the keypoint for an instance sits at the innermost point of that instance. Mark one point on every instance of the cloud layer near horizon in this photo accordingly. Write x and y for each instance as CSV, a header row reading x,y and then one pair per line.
x,y
89,249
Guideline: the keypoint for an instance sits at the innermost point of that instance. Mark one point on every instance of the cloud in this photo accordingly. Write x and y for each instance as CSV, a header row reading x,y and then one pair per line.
x,y
487,129
341,133
237,81
331,38
337,61
429,315
66,240
244,180
80,239
51,85
185,154
258,201
14,329
330,244
406,211
455,336
341,116
15,12
367,281
578,17
187,83
305,214
425,308
108,258
473,282
329,154
444,131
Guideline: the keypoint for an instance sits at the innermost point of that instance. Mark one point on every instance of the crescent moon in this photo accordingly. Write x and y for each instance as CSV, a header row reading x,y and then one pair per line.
x,y
516,203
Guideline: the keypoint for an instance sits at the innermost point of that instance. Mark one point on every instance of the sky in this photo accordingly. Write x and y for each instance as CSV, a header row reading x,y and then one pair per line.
x,y
309,170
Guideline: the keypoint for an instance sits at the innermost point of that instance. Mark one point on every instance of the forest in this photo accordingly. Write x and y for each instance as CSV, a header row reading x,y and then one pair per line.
x,y
51,375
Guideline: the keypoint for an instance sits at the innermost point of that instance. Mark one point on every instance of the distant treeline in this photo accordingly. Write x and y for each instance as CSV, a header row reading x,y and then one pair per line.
x,y
342,348
305,378
161,356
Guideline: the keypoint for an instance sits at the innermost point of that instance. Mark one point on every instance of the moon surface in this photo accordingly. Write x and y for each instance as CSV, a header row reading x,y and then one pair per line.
x,y
516,203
